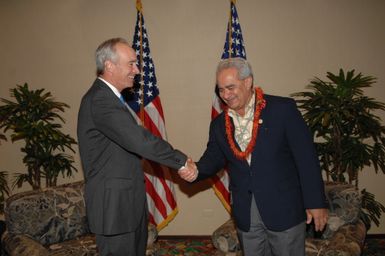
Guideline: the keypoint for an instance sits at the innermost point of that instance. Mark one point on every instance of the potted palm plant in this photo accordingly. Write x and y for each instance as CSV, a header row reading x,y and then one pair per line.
x,y
349,135
34,117
4,189
2,137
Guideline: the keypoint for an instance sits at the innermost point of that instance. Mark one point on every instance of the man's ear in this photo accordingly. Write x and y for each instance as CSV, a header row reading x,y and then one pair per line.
x,y
108,66
249,82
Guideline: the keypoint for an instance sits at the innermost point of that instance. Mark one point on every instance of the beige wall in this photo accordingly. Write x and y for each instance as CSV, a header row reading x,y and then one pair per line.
x,y
50,44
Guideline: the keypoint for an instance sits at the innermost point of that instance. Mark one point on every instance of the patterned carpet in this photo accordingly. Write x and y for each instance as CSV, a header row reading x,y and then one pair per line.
x,y
374,247
204,247
186,247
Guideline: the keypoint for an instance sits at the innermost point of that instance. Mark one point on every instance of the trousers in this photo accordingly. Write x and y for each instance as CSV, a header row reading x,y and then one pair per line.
x,y
260,241
127,244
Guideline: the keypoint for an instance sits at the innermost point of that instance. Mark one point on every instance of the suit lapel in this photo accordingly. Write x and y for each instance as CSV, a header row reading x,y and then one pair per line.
x,y
111,97
262,132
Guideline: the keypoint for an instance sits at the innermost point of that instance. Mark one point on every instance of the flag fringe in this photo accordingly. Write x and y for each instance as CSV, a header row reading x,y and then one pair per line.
x,y
169,218
221,198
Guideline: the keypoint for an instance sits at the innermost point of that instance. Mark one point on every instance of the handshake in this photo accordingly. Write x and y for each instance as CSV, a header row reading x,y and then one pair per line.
x,y
189,172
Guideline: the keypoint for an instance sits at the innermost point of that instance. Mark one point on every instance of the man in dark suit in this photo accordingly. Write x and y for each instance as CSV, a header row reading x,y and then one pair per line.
x,y
111,145
275,178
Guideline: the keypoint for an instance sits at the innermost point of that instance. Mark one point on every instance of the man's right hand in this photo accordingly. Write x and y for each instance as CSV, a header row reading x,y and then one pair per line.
x,y
189,172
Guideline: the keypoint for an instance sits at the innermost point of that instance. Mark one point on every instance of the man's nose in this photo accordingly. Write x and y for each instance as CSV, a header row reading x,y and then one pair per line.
x,y
136,69
225,94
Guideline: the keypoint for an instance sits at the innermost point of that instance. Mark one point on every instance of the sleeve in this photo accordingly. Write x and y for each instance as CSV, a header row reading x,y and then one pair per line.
x,y
115,122
305,156
213,159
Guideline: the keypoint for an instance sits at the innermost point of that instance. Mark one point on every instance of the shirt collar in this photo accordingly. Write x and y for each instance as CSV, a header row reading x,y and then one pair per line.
x,y
116,92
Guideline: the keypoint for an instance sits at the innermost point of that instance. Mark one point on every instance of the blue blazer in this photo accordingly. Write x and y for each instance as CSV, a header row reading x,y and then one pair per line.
x,y
284,175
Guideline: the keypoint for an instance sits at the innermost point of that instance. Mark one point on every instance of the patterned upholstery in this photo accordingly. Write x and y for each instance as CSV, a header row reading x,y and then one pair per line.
x,y
344,234
52,222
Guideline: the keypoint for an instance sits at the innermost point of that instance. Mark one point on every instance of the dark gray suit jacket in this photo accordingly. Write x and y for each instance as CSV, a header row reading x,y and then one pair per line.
x,y
111,146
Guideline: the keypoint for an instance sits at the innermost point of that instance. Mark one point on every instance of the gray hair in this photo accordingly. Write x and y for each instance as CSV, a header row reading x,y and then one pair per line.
x,y
106,51
243,67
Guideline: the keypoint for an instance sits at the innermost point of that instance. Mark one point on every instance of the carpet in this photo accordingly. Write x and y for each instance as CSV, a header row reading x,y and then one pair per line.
x,y
374,247
204,247
186,247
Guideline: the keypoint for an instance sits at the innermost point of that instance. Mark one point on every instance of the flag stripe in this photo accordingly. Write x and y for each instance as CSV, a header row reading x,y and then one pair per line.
x,y
151,191
158,105
221,190
167,191
150,125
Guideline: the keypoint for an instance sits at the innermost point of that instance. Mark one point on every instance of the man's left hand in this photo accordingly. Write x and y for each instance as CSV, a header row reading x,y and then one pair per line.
x,y
320,217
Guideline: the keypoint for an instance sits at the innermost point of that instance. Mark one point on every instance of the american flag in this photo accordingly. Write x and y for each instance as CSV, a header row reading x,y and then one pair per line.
x,y
234,47
145,103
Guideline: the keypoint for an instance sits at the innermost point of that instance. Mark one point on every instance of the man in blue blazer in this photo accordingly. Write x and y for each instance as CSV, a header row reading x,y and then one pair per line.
x,y
275,178
111,146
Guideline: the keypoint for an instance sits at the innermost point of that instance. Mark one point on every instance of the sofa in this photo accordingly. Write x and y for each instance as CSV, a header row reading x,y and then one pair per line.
x,y
343,235
52,221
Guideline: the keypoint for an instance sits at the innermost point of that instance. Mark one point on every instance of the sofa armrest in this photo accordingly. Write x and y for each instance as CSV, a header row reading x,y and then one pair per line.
x,y
21,245
225,237
348,240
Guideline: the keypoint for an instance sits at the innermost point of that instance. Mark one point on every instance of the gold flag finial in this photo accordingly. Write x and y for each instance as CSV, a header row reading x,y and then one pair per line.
x,y
233,1
139,5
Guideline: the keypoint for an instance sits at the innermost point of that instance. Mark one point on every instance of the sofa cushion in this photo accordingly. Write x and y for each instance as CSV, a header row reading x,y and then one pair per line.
x,y
51,215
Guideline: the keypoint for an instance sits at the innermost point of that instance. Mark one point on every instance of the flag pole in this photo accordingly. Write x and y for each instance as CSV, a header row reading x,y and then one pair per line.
x,y
139,8
230,25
